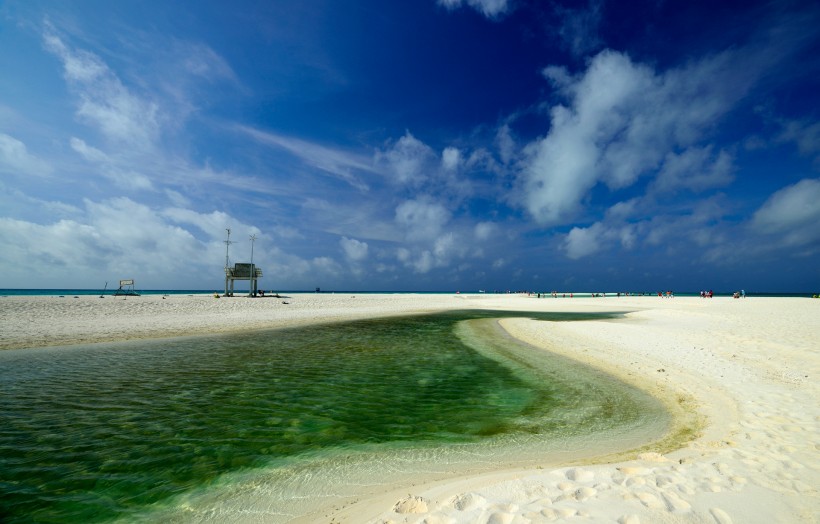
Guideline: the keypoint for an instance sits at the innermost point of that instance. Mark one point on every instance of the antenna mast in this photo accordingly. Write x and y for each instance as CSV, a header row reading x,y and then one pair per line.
x,y
227,260
227,247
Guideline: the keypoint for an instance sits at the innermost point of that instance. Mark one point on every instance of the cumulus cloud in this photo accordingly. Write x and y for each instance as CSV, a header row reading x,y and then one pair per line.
x,y
581,242
113,239
15,159
443,251
700,227
450,159
409,161
793,213
411,164
621,122
445,248
489,8
354,250
422,219
172,248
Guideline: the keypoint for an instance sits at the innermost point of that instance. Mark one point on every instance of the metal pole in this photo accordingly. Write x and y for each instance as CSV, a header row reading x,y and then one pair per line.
x,y
227,260
253,270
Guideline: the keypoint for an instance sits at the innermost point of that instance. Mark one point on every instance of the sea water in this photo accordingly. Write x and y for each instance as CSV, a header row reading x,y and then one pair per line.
x,y
274,422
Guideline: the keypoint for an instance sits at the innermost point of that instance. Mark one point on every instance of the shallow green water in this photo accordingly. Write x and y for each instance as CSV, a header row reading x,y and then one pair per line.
x,y
109,431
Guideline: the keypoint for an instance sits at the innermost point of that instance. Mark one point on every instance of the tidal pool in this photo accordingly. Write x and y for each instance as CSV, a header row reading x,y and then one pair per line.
x,y
271,423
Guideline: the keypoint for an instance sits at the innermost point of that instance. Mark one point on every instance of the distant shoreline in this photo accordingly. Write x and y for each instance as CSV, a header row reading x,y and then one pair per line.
x,y
9,292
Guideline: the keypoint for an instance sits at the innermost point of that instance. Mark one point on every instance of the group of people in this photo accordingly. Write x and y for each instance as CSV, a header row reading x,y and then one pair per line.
x,y
739,294
706,294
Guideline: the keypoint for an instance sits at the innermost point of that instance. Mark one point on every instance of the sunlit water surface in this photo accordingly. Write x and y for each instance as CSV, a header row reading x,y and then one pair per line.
x,y
271,423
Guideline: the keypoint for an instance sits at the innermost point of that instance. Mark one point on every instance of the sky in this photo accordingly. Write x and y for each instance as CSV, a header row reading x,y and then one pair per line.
x,y
414,145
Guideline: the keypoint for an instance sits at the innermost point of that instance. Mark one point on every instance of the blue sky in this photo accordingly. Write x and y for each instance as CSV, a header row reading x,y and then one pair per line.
x,y
412,145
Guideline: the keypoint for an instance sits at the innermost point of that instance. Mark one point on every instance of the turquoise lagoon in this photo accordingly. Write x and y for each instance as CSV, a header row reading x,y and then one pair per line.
x,y
275,422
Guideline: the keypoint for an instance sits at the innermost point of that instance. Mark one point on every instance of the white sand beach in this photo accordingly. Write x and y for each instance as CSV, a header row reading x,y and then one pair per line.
x,y
745,369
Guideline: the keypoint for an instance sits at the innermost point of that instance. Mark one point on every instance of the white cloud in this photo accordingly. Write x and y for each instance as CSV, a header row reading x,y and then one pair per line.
x,y
622,121
424,263
489,8
125,178
485,230
623,210
339,163
15,159
581,242
324,265
422,219
412,164
579,27
805,135
792,213
200,60
104,101
90,153
161,249
131,180
409,161
445,248
113,239
354,250
505,143
695,169
438,253
212,224
177,198
286,232
451,159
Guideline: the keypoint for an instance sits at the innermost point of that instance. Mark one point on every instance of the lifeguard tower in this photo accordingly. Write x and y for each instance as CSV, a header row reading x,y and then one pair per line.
x,y
242,271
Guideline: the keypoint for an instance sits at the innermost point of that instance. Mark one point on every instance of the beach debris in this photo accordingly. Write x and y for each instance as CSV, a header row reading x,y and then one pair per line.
x,y
468,501
411,504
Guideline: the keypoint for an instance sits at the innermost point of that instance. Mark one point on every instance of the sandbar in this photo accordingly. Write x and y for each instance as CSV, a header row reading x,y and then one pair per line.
x,y
741,373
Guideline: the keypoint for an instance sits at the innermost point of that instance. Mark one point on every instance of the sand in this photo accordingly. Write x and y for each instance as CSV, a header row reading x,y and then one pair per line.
x,y
741,373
